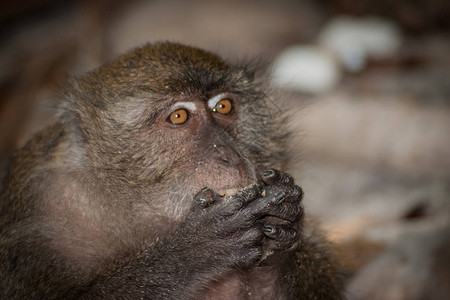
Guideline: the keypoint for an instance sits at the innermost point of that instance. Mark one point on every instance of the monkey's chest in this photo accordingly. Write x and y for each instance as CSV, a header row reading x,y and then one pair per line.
x,y
258,283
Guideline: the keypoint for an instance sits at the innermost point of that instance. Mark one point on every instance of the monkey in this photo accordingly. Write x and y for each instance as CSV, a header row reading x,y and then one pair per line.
x,y
161,179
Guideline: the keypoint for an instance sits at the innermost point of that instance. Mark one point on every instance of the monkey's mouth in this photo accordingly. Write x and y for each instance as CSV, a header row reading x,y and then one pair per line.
x,y
227,192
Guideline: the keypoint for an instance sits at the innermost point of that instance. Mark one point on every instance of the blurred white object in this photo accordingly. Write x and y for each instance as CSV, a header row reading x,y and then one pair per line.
x,y
356,39
344,42
306,68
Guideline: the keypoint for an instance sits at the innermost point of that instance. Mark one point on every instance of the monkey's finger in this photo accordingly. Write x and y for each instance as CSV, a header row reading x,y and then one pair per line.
x,y
242,198
273,176
292,193
281,201
206,197
264,205
285,236
249,193
251,237
290,212
289,206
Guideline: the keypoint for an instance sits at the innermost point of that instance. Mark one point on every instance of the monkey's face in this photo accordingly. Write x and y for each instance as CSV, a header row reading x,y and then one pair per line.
x,y
175,119
204,134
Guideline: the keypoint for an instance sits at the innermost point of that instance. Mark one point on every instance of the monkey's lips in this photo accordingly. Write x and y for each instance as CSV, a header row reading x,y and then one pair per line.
x,y
227,192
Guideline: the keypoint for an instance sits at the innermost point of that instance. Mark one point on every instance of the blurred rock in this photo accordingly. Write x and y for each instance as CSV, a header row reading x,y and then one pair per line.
x,y
416,17
355,40
307,69
354,201
416,267
388,133
233,28
344,41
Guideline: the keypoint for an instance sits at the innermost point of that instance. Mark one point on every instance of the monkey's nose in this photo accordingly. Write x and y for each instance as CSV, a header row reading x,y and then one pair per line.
x,y
227,155
229,160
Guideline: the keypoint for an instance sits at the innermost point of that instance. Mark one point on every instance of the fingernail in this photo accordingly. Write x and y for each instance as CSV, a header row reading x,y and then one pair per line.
x,y
280,196
267,229
268,173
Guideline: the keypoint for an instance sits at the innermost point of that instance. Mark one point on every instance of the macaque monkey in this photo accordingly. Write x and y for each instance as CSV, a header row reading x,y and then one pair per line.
x,y
161,180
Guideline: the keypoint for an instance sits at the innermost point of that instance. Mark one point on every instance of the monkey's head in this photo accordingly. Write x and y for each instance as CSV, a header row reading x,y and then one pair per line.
x,y
176,116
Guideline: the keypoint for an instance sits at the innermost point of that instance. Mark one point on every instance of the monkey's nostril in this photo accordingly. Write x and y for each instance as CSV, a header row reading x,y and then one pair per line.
x,y
224,154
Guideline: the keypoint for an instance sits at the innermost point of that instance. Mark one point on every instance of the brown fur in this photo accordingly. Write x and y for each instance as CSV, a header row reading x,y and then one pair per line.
x,y
92,206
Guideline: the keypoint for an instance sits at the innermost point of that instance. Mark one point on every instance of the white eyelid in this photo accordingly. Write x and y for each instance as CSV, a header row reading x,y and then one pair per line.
x,y
189,105
213,101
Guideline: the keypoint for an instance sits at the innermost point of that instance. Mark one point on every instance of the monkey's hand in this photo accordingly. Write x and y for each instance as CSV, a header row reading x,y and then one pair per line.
x,y
217,236
281,223
249,226
226,231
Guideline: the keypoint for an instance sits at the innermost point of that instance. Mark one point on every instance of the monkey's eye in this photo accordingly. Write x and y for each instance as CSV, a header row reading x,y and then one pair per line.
x,y
223,107
178,117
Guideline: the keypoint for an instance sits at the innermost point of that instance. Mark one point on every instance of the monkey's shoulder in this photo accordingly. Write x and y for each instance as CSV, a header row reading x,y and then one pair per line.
x,y
40,153
44,142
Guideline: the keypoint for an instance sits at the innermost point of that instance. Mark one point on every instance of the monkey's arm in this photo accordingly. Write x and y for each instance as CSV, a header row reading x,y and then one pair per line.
x,y
169,270
310,272
217,237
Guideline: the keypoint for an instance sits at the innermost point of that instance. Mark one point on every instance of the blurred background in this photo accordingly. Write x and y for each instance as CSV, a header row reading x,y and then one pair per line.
x,y
367,84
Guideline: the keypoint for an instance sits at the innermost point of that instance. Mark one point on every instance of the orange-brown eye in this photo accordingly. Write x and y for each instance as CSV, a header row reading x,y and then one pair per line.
x,y
224,106
178,117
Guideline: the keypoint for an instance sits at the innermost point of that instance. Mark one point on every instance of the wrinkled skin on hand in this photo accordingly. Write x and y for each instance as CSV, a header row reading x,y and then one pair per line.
x,y
248,227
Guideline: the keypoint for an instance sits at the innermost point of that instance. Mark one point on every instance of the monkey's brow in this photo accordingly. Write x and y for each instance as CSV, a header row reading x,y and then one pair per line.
x,y
160,106
164,103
